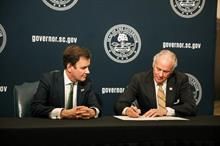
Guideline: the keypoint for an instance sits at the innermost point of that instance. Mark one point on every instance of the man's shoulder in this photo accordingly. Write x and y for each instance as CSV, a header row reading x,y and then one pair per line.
x,y
143,74
177,75
53,74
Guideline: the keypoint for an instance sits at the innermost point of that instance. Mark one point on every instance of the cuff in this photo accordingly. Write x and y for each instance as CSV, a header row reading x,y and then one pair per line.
x,y
124,112
55,113
170,111
97,111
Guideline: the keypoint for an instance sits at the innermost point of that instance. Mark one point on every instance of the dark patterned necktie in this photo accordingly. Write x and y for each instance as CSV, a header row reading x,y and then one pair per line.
x,y
70,97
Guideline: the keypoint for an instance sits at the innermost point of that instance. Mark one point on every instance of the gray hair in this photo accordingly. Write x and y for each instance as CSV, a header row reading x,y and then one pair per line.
x,y
166,52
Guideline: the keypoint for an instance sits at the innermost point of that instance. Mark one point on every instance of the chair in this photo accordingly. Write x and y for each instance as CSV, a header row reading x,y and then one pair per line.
x,y
23,95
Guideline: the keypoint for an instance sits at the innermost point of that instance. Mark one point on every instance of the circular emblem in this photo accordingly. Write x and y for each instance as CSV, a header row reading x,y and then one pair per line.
x,y
122,43
60,5
187,8
3,38
197,88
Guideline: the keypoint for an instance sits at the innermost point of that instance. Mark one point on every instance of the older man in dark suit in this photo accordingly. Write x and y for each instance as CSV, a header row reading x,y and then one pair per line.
x,y
159,92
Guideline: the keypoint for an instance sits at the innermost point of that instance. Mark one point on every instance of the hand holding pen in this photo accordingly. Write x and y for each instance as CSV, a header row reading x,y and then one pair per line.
x,y
133,111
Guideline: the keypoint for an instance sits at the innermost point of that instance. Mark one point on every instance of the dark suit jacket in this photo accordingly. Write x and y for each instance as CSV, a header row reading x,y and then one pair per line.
x,y
179,94
50,94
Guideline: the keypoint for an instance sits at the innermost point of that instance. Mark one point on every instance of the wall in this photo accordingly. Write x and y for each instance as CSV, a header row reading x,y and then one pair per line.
x,y
123,36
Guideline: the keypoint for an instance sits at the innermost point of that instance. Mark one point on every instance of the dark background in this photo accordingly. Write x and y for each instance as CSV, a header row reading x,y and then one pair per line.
x,y
24,61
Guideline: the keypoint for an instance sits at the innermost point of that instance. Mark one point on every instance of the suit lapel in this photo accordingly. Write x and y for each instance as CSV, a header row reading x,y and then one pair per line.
x,y
170,94
80,90
61,93
150,90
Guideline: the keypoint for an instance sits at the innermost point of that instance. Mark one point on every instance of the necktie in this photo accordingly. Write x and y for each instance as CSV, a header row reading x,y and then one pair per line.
x,y
161,98
70,97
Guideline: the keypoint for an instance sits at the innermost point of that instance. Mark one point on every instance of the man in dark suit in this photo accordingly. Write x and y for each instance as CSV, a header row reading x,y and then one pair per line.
x,y
67,94
142,96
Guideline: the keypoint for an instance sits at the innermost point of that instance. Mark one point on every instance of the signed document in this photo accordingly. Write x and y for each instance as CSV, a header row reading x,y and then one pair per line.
x,y
142,118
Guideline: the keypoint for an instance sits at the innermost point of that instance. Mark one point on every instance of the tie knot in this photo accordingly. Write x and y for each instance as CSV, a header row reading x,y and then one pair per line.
x,y
72,84
160,85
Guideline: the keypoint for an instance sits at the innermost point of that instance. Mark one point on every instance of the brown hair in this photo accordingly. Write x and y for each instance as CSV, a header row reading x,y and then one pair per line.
x,y
73,53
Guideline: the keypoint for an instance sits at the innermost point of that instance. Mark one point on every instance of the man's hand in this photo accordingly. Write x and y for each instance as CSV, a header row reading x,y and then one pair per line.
x,y
133,112
79,112
155,113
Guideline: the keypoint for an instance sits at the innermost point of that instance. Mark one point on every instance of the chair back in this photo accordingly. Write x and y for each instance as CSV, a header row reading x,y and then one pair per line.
x,y
23,95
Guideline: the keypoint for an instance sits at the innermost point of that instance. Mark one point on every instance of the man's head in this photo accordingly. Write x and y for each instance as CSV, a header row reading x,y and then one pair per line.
x,y
164,64
76,61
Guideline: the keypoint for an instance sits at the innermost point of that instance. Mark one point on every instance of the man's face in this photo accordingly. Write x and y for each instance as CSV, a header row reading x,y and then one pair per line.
x,y
162,69
80,70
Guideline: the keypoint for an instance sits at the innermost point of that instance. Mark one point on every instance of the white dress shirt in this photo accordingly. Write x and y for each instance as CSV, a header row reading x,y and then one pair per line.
x,y
55,113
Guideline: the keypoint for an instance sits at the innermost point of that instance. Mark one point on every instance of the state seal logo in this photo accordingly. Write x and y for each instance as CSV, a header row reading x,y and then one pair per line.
x,y
197,88
3,38
122,43
60,5
187,8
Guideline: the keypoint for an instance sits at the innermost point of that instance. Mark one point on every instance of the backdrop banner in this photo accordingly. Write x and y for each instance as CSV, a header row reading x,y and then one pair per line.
x,y
123,36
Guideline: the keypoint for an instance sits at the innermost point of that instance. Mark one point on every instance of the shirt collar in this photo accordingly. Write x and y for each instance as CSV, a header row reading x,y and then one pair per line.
x,y
67,81
163,85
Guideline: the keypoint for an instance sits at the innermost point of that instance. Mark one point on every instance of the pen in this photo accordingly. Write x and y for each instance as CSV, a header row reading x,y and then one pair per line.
x,y
135,109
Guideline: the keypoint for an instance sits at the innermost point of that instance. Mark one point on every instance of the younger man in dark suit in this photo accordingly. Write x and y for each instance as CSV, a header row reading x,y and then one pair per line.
x,y
67,94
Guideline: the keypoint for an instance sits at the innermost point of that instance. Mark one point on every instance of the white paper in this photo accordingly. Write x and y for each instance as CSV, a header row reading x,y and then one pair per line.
x,y
142,118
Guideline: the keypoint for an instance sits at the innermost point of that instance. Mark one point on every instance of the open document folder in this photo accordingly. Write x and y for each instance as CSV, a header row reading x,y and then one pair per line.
x,y
142,118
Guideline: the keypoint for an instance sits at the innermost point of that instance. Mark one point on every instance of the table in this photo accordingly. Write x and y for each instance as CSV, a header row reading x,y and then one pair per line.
x,y
107,130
